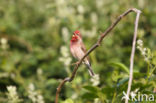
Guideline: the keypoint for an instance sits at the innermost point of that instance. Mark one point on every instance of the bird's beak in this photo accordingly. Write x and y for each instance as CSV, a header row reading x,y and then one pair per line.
x,y
73,35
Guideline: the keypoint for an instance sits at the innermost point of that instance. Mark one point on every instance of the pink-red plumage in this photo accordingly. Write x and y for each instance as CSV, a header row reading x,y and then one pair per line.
x,y
77,32
78,50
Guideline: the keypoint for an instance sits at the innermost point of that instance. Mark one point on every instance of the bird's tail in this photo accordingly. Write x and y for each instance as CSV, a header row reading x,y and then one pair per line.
x,y
90,69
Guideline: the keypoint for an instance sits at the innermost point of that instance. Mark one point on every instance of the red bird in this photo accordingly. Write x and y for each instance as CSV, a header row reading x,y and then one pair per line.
x,y
78,50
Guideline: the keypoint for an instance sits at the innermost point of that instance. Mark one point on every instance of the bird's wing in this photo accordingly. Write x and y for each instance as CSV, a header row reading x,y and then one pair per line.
x,y
84,50
83,47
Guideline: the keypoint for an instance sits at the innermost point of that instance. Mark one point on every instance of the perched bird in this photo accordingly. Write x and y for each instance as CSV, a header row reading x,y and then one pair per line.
x,y
78,50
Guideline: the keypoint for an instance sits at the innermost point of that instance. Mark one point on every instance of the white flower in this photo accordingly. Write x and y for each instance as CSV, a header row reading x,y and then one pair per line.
x,y
94,18
4,41
140,42
12,90
146,59
40,99
31,86
99,3
60,2
80,9
39,71
34,95
68,61
95,80
12,95
65,34
143,50
64,51
97,100
65,58
143,53
74,96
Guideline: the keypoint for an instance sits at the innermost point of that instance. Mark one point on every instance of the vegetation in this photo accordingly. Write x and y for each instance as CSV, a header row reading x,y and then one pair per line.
x,y
35,56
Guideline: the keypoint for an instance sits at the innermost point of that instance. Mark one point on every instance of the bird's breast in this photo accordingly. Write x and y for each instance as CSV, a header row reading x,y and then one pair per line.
x,y
76,51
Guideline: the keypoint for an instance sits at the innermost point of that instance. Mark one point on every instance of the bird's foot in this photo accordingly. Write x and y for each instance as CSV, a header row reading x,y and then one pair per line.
x,y
76,63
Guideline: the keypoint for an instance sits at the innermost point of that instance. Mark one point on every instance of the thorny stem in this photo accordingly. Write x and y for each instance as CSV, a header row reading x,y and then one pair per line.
x,y
69,79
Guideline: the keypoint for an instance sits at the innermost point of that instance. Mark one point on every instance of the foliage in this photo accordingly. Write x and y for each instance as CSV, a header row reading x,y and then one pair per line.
x,y
34,49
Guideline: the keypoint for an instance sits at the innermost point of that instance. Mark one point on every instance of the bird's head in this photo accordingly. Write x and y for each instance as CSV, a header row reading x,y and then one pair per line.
x,y
75,38
77,32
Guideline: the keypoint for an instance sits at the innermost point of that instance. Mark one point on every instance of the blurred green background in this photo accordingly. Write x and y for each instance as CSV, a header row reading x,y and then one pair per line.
x,y
35,56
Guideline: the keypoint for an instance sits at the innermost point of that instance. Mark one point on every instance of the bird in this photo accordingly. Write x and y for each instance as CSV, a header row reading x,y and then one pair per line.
x,y
78,50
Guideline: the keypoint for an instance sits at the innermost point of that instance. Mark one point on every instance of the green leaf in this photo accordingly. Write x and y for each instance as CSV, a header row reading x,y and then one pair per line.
x,y
120,65
51,81
107,90
90,96
139,75
92,89
122,81
68,101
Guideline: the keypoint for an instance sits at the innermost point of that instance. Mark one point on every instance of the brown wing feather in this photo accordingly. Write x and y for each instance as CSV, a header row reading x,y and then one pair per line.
x,y
84,49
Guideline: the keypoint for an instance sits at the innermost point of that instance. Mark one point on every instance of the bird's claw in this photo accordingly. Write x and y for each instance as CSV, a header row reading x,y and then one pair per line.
x,y
76,63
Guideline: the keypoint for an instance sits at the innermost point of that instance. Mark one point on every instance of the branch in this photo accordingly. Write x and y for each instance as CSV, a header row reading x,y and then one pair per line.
x,y
132,53
97,44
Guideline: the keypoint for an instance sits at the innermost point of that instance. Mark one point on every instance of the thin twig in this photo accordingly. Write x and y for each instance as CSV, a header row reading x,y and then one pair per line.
x,y
132,53
59,88
91,49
